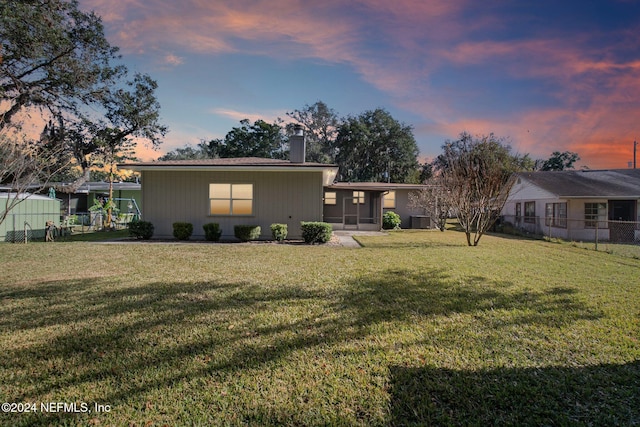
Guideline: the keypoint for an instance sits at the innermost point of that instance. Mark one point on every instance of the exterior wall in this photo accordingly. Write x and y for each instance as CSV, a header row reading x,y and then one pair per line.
x,y
575,229
35,211
402,208
278,197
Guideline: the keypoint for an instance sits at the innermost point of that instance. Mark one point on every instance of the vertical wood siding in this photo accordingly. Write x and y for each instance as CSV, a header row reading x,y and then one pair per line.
x,y
278,197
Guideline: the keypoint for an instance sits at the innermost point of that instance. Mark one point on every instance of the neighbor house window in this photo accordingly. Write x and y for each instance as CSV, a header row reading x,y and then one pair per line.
x,y
389,200
231,199
530,212
593,213
518,211
358,197
329,197
556,215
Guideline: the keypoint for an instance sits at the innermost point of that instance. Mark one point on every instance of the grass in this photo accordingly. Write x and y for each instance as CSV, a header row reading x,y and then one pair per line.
x,y
413,329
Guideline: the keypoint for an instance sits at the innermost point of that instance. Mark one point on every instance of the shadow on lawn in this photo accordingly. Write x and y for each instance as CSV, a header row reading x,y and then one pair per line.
x,y
596,395
143,327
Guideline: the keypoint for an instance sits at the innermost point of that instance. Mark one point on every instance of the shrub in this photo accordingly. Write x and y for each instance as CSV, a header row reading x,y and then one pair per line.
x,y
182,230
246,232
391,221
212,231
141,229
316,232
279,231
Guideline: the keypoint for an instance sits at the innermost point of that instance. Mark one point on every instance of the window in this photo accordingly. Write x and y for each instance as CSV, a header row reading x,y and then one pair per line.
x,y
230,199
556,215
518,211
358,197
594,213
530,212
329,197
389,200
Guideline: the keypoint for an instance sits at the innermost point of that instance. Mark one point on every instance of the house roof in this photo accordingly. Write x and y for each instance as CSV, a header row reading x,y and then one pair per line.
x,y
239,164
615,183
375,186
256,162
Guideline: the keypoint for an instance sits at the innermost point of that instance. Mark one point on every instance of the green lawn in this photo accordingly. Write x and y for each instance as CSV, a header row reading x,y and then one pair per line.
x,y
415,328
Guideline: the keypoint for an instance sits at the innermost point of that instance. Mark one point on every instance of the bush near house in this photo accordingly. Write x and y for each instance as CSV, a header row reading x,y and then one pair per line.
x,y
247,232
279,232
141,229
316,232
182,230
212,231
391,221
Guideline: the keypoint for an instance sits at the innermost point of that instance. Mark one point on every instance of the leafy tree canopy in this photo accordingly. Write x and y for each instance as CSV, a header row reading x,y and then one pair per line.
x,y
260,139
560,161
56,61
375,147
321,127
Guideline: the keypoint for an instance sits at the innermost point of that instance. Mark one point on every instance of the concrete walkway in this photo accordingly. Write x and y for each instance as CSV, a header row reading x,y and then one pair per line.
x,y
346,237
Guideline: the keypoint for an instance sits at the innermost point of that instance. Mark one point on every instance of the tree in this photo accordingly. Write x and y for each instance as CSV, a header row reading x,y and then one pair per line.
x,y
321,127
56,62
25,167
188,152
560,161
478,174
434,201
259,139
375,147
54,58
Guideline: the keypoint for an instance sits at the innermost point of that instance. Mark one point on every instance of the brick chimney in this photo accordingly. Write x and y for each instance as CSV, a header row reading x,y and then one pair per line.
x,y
297,145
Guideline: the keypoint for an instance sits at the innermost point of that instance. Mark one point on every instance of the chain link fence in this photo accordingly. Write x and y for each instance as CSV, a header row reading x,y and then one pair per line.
x,y
621,237
28,227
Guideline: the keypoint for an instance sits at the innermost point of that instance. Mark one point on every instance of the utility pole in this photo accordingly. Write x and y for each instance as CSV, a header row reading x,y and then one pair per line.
x,y
635,150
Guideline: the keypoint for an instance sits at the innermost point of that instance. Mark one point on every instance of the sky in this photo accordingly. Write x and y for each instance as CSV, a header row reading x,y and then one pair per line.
x,y
546,75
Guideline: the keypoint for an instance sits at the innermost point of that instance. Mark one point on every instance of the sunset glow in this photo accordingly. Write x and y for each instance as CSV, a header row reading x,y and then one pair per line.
x,y
546,77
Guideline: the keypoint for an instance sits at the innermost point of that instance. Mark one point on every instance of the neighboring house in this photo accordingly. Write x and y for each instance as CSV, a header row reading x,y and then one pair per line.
x,y
361,205
29,216
575,205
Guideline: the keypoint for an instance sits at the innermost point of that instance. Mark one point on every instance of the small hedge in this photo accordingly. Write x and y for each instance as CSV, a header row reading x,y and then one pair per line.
x,y
391,221
279,232
316,232
182,230
212,231
247,232
141,229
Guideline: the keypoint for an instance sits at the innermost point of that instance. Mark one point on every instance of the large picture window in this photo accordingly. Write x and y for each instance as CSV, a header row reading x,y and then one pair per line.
x,y
530,212
594,213
231,199
556,215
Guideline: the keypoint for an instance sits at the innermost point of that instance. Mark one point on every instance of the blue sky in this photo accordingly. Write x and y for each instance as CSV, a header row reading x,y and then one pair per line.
x,y
546,75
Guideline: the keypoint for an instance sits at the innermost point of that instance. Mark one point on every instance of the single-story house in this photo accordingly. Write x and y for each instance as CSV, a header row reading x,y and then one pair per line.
x,y
259,191
575,205
361,205
233,191
29,217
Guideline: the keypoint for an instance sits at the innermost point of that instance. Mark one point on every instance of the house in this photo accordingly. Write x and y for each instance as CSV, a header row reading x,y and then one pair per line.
x,y
361,205
234,191
259,191
575,205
